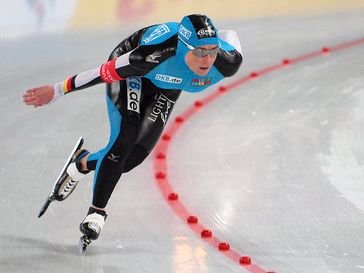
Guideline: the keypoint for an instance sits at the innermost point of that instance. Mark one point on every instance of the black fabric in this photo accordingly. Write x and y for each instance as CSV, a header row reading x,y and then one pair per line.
x,y
129,43
201,22
147,57
228,62
136,157
91,165
98,211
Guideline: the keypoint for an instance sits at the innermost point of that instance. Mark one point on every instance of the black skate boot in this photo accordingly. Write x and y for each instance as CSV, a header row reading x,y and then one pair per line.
x,y
69,177
91,227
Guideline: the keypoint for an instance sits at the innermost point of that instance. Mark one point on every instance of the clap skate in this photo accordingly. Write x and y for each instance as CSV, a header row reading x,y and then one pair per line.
x,y
67,179
91,227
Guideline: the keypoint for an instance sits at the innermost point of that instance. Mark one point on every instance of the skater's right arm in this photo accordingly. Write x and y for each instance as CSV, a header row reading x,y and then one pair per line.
x,y
114,70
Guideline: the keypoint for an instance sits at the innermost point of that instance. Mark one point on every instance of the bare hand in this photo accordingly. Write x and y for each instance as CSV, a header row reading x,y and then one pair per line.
x,y
39,96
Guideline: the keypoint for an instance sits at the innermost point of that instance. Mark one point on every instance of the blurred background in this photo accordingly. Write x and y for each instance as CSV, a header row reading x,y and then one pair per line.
x,y
29,17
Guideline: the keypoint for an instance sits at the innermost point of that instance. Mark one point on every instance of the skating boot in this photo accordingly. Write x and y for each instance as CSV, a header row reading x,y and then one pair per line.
x,y
72,176
69,177
91,227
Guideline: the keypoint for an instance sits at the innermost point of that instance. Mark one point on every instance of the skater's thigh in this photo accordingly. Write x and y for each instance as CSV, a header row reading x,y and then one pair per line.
x,y
156,107
124,97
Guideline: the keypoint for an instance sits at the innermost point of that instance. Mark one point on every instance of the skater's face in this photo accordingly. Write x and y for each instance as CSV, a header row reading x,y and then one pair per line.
x,y
201,59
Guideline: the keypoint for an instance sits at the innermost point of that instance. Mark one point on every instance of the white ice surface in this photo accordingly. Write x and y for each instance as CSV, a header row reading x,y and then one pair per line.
x,y
275,167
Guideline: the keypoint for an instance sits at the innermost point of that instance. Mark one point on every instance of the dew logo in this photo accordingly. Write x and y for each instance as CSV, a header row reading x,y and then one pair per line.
x,y
207,32
134,87
161,107
158,32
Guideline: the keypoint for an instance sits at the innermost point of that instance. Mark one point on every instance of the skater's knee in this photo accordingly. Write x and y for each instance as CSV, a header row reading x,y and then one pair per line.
x,y
136,157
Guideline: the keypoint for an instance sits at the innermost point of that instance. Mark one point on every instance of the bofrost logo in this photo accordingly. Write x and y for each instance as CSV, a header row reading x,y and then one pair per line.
x,y
185,32
167,78
158,32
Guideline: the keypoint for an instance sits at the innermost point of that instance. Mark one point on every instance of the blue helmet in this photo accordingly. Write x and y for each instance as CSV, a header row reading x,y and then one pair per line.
x,y
197,30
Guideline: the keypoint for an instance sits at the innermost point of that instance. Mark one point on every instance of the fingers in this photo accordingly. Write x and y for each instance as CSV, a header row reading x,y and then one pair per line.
x,y
31,101
30,93
38,96
31,97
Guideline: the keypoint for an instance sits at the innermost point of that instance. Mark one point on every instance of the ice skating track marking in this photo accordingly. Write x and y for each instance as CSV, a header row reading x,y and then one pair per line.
x,y
161,158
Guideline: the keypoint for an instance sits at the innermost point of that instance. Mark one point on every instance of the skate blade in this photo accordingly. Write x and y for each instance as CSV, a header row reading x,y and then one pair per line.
x,y
52,196
46,204
83,244
75,149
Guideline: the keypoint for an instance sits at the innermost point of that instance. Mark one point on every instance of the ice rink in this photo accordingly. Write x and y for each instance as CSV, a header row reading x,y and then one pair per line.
x,y
275,166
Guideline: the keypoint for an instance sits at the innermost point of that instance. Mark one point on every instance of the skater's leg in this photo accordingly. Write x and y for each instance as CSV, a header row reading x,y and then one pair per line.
x,y
115,101
90,163
125,132
109,162
83,164
136,157
156,107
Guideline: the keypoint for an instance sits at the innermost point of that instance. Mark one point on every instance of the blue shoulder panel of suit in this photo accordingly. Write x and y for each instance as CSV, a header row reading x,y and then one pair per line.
x,y
159,33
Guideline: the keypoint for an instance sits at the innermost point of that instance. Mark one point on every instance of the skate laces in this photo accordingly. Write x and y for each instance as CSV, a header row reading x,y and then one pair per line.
x,y
68,187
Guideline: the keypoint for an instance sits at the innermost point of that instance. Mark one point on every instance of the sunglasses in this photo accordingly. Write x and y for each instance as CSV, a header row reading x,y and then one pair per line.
x,y
201,52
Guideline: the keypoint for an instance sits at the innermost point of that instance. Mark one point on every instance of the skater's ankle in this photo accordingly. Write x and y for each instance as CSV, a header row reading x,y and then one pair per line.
x,y
84,163
98,210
